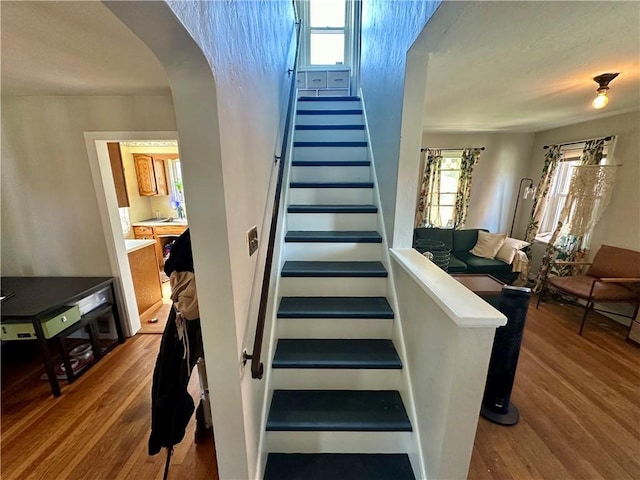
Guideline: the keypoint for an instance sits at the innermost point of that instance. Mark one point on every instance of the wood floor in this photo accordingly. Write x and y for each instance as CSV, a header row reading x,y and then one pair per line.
x,y
579,401
98,428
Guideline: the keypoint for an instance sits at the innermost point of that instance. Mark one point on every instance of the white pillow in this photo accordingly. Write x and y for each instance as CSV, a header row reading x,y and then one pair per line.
x,y
488,244
509,248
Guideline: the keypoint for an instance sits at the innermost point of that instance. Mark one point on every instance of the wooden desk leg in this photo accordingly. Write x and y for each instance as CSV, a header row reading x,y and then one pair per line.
x,y
95,340
66,360
46,358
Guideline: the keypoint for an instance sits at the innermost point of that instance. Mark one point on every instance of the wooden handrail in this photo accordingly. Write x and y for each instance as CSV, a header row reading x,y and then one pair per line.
x,y
257,368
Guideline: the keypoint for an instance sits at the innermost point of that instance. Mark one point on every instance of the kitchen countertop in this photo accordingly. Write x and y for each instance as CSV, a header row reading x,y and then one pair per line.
x,y
133,245
156,223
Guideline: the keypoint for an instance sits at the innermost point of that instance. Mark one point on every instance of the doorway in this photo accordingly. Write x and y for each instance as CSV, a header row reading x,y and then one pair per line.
x,y
119,223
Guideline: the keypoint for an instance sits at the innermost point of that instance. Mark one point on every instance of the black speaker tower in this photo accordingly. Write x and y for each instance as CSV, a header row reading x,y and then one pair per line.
x,y
496,403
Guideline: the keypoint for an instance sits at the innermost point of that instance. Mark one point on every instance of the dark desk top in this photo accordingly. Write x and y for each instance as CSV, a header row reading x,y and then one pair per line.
x,y
481,284
32,296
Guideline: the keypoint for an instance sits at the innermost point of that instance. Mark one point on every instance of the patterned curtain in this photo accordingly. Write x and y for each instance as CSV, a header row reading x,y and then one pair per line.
x,y
551,160
570,239
428,206
469,159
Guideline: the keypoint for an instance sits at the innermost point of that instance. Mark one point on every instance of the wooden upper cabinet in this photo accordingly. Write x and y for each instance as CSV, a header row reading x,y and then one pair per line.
x,y
151,175
117,169
161,177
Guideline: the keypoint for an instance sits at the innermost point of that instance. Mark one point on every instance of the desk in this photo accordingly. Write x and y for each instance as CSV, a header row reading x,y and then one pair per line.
x,y
36,299
483,285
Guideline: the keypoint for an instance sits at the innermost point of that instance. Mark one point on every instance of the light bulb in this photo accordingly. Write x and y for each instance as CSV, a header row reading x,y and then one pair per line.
x,y
600,101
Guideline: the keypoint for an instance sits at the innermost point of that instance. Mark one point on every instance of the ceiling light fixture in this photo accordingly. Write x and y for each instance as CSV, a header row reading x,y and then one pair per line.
x,y
603,81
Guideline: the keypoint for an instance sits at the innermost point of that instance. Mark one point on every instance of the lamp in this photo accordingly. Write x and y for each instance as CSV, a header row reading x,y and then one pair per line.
x,y
603,81
530,190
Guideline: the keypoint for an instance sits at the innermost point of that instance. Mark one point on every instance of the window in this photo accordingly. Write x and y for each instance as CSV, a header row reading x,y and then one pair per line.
x,y
442,215
325,38
559,190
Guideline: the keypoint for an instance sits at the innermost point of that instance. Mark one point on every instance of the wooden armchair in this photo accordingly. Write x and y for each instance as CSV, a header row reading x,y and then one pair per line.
x,y
613,276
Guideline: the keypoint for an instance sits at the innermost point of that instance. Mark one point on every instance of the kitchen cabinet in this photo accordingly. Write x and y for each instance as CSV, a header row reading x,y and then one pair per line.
x,y
151,175
117,170
162,234
144,273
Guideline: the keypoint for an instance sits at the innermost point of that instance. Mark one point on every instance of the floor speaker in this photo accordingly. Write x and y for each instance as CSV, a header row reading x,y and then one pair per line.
x,y
496,402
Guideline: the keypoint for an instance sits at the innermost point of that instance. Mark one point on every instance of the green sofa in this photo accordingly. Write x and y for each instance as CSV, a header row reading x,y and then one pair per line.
x,y
462,261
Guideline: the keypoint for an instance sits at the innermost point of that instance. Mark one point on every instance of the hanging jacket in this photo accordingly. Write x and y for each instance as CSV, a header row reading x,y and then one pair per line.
x,y
180,348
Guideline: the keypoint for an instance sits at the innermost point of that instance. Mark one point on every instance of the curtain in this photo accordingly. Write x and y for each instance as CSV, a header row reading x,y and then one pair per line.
x,y
428,206
551,160
469,159
589,194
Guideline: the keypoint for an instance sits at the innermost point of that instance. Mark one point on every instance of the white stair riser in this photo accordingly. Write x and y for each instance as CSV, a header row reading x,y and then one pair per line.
x,y
329,136
338,442
335,379
333,286
331,196
332,221
305,154
332,252
341,119
334,328
331,174
330,105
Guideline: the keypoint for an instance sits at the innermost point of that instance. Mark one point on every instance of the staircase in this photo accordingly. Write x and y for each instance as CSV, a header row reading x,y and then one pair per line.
x,y
336,411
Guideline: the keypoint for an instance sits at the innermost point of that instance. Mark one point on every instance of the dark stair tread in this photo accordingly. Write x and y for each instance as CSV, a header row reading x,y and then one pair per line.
x,y
334,307
331,185
336,353
330,127
332,208
331,163
330,144
343,98
338,411
333,269
330,112
346,236
338,466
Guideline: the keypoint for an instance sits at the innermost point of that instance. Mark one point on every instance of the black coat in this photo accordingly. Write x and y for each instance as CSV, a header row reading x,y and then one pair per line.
x,y
171,403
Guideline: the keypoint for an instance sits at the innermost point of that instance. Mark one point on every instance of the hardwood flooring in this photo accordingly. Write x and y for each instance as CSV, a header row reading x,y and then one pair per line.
x,y
98,428
579,402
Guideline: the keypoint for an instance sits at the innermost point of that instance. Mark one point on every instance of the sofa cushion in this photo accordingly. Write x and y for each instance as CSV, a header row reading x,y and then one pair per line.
x,y
456,265
465,240
483,265
488,244
509,248
444,235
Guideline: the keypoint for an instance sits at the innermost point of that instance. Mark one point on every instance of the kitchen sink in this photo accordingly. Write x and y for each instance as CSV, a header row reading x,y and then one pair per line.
x,y
158,220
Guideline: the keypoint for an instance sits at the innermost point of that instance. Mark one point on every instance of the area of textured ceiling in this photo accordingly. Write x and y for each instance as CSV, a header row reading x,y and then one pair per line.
x,y
74,48
529,66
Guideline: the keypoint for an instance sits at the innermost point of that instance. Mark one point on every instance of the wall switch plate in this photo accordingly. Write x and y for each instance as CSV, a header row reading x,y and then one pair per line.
x,y
252,237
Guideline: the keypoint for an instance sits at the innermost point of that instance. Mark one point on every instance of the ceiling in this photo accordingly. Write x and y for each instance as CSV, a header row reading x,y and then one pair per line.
x,y
499,67
529,66
74,48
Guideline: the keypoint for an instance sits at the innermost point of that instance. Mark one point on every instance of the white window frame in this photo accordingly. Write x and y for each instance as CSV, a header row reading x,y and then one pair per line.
x,y
456,155
559,189
305,50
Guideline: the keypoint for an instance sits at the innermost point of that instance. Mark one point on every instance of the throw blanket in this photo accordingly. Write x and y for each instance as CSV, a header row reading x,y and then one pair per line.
x,y
520,264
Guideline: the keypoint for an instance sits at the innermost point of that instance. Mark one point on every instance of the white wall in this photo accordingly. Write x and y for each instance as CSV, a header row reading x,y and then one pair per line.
x,y
620,224
228,118
50,219
496,177
389,29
